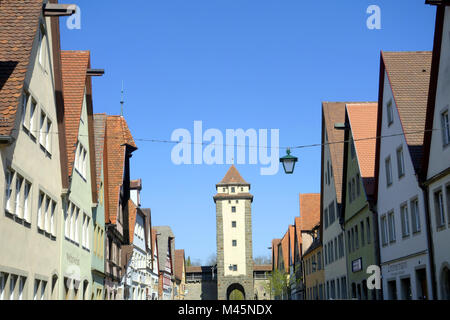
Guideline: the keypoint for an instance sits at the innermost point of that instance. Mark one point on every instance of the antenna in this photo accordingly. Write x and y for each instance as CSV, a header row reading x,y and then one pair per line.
x,y
121,102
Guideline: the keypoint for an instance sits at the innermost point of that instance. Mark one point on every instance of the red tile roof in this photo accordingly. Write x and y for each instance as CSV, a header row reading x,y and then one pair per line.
x,y
275,243
19,21
74,67
409,77
292,241
132,212
298,232
117,134
262,267
363,123
233,177
285,250
309,210
99,138
179,263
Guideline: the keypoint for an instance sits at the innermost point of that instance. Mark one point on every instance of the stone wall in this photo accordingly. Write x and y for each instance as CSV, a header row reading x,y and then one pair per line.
x,y
201,290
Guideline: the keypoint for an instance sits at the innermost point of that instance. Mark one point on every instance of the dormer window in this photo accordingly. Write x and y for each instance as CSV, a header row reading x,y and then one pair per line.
x,y
42,42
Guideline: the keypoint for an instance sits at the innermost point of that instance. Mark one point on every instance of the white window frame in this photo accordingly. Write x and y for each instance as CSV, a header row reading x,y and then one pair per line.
x,y
42,122
2,285
384,230
12,286
46,214
388,169
77,217
25,99
41,203
21,287
48,136
391,223
440,215
33,108
36,288
19,209
400,162
415,215
52,218
26,201
9,175
404,214
445,127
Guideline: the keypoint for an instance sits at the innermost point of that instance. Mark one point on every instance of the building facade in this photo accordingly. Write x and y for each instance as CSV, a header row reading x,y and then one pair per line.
x,y
331,193
234,236
360,219
166,254
402,219
32,152
436,163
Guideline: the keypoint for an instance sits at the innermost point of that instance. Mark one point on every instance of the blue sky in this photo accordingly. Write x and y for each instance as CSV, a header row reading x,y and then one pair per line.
x,y
259,64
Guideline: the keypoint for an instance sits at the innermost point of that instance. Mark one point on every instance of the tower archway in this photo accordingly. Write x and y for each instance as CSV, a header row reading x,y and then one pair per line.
x,y
236,292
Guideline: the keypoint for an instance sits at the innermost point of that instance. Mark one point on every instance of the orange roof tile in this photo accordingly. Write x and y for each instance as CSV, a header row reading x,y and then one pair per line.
x,y
233,177
117,134
409,77
73,68
363,123
179,263
19,21
132,212
285,250
99,138
309,210
292,241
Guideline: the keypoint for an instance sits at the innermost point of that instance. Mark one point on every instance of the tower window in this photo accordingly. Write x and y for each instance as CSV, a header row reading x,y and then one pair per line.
x,y
234,243
233,209
233,224
233,190
234,267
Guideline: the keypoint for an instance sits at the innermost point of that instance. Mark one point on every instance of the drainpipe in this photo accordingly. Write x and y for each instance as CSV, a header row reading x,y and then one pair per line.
x,y
430,240
376,242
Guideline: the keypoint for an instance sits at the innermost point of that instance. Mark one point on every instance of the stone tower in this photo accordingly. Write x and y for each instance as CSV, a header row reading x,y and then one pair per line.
x,y
234,236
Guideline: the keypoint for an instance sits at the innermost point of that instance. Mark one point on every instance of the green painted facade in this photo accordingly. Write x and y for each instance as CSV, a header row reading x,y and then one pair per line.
x,y
98,250
359,230
76,257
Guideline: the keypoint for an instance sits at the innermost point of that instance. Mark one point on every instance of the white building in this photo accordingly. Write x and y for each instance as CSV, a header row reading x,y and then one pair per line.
x,y
154,272
331,185
31,140
436,165
402,221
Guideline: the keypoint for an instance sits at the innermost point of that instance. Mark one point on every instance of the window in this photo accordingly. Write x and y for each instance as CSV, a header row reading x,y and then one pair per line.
x,y
356,238
234,243
352,240
350,199
234,267
358,187
233,224
232,190
21,287
41,211
2,285
384,230
48,136
331,211
86,221
32,118
390,113
67,222
368,230
52,219
46,216
400,162
36,289
26,202
447,196
405,220
326,218
25,98
341,245
9,178
328,172
233,209
42,128
415,214
331,251
42,41
77,217
80,160
439,208
391,221
445,128
353,189
19,208
12,286
388,171
363,240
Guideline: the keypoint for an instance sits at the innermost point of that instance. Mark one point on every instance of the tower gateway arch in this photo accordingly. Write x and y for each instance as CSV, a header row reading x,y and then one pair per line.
x,y
234,237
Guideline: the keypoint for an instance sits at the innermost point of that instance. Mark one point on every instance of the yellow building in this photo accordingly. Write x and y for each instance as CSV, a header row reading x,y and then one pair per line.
x,y
313,272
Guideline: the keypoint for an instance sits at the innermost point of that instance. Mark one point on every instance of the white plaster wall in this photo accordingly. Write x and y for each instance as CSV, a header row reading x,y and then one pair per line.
x,y
402,190
234,255
440,155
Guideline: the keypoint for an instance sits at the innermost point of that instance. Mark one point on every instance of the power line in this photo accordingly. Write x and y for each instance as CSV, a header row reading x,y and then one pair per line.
x,y
247,146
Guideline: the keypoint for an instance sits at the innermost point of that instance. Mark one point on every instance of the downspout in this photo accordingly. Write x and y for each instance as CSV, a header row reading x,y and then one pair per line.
x,y
429,240
376,243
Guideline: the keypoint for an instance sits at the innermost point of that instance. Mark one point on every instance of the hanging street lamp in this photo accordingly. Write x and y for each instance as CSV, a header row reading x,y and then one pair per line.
x,y
288,162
